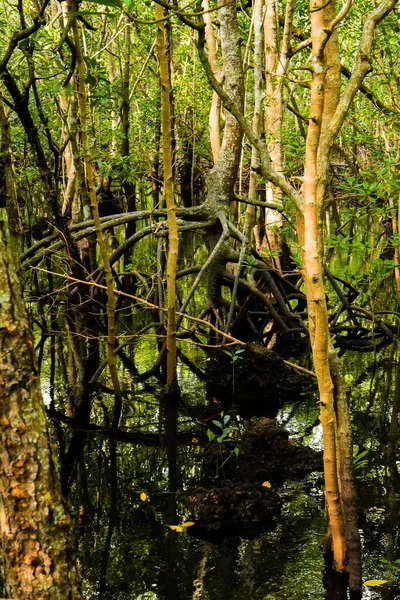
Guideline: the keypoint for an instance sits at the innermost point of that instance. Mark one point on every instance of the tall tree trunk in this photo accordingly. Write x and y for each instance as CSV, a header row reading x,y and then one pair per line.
x,y
8,191
35,527
213,121
169,198
88,185
258,98
315,176
128,186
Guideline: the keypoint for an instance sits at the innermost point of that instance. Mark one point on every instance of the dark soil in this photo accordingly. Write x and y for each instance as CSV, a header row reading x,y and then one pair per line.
x,y
245,510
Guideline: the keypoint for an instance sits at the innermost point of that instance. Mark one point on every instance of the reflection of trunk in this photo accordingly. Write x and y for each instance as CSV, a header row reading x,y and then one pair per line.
x,y
348,495
199,582
35,526
112,516
335,584
171,588
169,198
225,567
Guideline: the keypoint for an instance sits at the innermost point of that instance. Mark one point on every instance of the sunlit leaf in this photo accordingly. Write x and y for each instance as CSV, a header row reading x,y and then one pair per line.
x,y
143,496
266,484
187,524
210,435
195,440
236,451
177,528
374,582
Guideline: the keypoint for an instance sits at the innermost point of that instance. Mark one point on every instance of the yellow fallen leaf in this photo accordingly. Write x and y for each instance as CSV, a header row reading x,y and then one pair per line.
x,y
266,484
143,496
373,582
178,528
187,524
195,441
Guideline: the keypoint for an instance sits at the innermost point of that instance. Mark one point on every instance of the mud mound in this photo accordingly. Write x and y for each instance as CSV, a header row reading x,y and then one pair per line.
x,y
256,381
231,499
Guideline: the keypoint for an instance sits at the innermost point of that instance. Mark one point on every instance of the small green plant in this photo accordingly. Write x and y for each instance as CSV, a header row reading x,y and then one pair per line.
x,y
250,261
227,431
359,460
234,356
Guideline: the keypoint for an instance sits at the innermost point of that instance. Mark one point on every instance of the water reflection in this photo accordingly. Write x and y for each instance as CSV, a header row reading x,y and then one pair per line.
x,y
128,487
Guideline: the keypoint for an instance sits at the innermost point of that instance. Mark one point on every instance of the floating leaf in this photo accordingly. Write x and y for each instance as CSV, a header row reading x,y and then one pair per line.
x,y
178,528
187,524
266,484
143,496
373,582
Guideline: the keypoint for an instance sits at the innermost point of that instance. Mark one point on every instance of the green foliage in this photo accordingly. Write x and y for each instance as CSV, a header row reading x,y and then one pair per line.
x,y
226,435
234,355
359,457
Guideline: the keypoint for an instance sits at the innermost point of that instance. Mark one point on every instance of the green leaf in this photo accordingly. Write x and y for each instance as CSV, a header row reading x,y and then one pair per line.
x,y
236,451
210,435
218,424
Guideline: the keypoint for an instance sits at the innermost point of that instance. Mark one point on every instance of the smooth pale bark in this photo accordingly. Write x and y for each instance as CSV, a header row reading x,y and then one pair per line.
x,y
213,122
327,115
172,258
257,115
35,526
314,193
276,61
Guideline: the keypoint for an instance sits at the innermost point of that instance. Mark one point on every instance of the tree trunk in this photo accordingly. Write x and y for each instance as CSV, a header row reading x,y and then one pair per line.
x,y
169,198
35,526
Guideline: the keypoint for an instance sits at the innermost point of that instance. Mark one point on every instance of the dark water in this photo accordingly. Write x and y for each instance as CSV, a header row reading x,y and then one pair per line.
x,y
126,495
